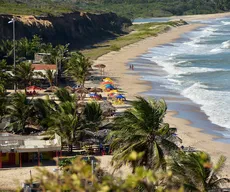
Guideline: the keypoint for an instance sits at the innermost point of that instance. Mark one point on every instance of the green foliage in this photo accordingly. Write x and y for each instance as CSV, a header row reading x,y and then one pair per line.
x,y
25,50
77,67
156,8
66,161
138,33
197,172
141,129
24,74
115,48
78,177
36,7
19,113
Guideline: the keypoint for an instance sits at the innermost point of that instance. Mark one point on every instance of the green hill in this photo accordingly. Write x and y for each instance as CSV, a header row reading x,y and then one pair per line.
x,y
128,8
155,8
36,7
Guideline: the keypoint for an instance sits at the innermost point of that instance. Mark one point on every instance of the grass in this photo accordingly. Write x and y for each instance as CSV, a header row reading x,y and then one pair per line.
x,y
35,8
138,32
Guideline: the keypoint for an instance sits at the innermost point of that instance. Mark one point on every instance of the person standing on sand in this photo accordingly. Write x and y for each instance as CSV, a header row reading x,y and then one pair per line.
x,y
132,67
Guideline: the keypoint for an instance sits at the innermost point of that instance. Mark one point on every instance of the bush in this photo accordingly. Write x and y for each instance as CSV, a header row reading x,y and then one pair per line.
x,y
115,48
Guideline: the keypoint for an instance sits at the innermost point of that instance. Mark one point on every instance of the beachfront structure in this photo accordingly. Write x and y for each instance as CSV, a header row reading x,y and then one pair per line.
x,y
16,149
39,57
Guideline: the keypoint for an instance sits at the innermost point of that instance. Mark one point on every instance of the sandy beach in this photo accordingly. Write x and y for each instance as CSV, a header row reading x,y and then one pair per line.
x,y
129,81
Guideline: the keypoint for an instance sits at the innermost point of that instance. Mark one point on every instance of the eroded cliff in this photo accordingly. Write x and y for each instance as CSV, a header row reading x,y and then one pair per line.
x,y
78,28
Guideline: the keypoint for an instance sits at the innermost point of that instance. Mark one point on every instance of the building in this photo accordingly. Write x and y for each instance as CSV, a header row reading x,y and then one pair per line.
x,y
15,150
40,57
41,68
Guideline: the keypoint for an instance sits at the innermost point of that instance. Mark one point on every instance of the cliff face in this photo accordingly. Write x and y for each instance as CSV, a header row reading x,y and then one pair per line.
x,y
78,29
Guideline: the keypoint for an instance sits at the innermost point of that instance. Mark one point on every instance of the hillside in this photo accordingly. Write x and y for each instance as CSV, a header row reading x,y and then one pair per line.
x,y
37,7
127,8
77,29
156,8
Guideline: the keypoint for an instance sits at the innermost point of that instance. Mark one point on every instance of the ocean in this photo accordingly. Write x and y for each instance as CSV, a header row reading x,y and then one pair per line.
x,y
193,75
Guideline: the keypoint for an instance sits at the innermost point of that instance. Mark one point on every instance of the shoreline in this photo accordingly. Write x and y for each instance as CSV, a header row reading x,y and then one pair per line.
x,y
129,81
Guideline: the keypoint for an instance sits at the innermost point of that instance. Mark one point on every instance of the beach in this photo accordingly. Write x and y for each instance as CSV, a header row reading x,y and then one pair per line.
x,y
129,81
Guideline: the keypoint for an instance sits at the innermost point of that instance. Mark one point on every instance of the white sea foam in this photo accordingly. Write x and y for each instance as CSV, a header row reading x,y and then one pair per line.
x,y
214,103
226,45
225,22
173,70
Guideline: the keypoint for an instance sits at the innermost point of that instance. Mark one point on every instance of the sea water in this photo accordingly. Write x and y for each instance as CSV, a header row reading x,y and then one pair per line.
x,y
193,75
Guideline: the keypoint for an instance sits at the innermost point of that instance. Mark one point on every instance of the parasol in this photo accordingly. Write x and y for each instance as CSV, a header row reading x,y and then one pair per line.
x,y
101,67
33,88
95,90
81,90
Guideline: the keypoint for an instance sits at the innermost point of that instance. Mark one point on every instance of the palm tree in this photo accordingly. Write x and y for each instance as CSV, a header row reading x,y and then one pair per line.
x,y
49,75
3,105
197,172
78,67
66,123
63,95
68,119
42,110
93,114
141,129
19,113
24,74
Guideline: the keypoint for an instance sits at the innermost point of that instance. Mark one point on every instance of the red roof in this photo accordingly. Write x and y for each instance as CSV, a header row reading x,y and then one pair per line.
x,y
44,66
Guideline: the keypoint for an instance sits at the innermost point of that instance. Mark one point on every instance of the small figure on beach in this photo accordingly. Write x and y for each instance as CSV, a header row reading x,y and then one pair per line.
x,y
132,67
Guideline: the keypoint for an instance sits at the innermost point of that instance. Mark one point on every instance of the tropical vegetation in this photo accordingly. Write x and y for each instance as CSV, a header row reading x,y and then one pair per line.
x,y
141,129
129,8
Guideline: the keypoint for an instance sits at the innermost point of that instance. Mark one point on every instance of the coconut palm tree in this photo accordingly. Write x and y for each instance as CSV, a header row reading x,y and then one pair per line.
x,y
141,129
3,104
93,114
69,119
19,113
24,74
49,75
63,95
65,122
197,172
42,110
77,67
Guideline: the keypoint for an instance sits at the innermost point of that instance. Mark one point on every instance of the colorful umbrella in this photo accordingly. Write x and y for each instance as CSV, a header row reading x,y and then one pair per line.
x,y
120,96
33,88
107,79
114,91
109,86
106,82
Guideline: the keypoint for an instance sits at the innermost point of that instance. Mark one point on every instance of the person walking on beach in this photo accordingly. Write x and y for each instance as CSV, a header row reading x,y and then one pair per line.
x,y
132,67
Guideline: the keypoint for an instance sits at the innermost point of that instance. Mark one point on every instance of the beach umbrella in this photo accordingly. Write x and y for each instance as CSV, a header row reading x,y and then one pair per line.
x,y
101,67
69,89
106,82
120,96
81,90
51,89
114,91
107,79
33,88
109,86
95,90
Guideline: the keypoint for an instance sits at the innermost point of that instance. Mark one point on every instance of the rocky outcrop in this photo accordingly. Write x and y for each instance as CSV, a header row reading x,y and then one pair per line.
x,y
78,28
